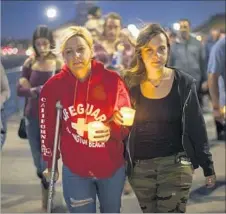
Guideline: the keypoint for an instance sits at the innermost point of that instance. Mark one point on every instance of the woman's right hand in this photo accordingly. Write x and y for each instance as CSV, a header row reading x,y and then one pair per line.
x,y
218,115
117,118
47,175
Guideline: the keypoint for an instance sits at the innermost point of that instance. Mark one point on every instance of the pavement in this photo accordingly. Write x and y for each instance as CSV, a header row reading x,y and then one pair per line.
x,y
21,189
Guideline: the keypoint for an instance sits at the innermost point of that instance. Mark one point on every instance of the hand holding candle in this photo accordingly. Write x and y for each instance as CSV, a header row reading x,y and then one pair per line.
x,y
223,112
128,115
117,118
98,132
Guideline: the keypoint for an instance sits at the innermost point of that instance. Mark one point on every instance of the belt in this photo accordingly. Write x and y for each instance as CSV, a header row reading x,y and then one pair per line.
x,y
178,158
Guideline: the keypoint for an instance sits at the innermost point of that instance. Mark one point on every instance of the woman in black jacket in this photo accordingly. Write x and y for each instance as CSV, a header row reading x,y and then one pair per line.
x,y
168,140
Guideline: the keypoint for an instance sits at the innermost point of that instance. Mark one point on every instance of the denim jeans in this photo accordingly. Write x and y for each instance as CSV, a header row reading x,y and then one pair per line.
x,y
80,192
4,127
33,134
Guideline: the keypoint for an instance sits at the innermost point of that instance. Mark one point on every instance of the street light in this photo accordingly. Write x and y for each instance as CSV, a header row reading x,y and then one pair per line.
x,y
176,26
133,30
51,12
199,38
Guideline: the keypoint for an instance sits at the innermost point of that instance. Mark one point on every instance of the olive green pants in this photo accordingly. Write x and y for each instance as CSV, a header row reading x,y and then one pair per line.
x,y
162,184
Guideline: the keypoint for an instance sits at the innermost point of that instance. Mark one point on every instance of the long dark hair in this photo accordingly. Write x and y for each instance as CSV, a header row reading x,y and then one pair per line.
x,y
137,72
42,31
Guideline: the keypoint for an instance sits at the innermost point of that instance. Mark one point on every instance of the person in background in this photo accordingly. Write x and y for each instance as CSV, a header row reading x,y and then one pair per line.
x,y
171,34
115,50
222,33
5,95
36,71
91,26
187,54
168,139
95,21
172,37
88,93
213,37
217,85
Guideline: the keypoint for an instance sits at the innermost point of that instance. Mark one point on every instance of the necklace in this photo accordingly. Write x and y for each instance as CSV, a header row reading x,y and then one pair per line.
x,y
159,80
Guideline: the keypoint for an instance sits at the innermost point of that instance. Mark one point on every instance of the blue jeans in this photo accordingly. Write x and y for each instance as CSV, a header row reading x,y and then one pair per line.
x,y
80,192
33,134
4,127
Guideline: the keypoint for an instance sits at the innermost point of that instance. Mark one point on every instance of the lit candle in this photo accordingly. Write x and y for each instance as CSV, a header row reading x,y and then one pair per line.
x,y
128,115
93,127
223,110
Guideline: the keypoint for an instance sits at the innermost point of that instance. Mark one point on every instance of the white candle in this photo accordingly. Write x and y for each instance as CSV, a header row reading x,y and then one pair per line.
x,y
223,110
128,115
93,127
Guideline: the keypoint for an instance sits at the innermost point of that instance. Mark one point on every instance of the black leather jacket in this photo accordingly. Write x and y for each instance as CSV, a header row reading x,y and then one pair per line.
x,y
194,135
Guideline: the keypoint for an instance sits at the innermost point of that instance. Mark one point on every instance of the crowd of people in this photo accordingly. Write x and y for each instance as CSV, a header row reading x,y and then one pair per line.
x,y
100,69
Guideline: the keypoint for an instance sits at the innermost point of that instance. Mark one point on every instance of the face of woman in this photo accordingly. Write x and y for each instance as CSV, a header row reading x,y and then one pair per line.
x,y
77,54
42,46
155,53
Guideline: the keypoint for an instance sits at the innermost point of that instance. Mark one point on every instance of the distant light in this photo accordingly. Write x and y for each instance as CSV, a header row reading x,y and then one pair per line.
x,y
51,13
199,38
224,110
4,52
15,51
29,52
133,30
131,27
10,51
176,26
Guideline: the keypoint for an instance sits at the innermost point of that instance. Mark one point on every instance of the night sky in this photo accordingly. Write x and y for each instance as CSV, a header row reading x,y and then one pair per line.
x,y
20,18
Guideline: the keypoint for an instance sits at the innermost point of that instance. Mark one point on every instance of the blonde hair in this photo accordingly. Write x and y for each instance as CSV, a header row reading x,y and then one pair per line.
x,y
76,31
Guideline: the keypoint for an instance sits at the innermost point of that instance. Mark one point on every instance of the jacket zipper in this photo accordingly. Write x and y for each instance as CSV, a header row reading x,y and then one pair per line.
x,y
128,149
183,118
185,105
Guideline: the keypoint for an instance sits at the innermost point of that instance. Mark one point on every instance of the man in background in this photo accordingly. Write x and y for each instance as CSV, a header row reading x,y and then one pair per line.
x,y
95,22
187,54
115,48
217,85
212,39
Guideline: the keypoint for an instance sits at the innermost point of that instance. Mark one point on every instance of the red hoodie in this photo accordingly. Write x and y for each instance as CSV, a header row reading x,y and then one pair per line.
x,y
100,95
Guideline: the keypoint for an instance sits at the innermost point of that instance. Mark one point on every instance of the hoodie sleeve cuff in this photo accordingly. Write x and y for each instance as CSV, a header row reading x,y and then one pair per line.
x,y
118,133
208,170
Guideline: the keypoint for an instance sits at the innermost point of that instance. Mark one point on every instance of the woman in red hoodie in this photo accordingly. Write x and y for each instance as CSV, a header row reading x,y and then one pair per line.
x,y
88,92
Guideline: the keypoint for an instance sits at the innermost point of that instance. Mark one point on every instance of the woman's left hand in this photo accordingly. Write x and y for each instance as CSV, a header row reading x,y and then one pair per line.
x,y
210,181
35,91
103,135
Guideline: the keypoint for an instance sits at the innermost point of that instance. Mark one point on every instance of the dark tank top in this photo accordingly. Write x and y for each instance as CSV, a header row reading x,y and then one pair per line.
x,y
158,125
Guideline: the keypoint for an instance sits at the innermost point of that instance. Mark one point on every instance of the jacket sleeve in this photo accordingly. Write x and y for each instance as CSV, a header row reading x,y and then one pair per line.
x,y
198,135
22,91
123,99
47,119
